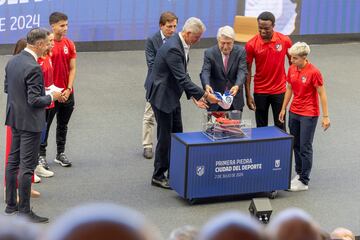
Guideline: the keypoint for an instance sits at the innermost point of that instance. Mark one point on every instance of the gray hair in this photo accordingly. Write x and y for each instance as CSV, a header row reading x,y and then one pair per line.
x,y
36,34
226,31
194,25
299,49
186,232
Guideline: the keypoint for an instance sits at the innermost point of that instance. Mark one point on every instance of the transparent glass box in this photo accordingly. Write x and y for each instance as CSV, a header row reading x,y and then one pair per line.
x,y
221,125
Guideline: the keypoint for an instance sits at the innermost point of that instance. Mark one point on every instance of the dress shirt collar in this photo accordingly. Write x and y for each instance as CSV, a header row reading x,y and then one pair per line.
x,y
162,35
32,53
186,47
223,56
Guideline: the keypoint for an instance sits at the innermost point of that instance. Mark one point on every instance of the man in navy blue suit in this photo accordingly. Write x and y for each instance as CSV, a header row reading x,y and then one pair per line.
x,y
168,23
225,69
168,80
25,114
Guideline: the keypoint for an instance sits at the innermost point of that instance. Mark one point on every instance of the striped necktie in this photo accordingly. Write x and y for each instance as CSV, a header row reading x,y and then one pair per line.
x,y
226,59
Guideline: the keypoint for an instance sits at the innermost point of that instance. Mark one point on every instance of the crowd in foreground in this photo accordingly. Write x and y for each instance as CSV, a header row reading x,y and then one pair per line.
x,y
111,221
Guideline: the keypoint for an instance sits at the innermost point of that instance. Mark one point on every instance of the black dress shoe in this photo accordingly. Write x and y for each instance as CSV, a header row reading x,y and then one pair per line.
x,y
32,217
148,153
11,210
163,183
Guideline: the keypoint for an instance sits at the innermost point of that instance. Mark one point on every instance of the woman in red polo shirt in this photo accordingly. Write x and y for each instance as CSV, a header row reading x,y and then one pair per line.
x,y
43,169
305,84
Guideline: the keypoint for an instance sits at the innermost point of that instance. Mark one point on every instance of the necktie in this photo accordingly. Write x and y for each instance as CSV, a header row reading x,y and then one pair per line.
x,y
226,59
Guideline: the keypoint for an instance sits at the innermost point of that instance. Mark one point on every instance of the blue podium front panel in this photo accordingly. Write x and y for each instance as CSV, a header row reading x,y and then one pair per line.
x,y
178,166
261,163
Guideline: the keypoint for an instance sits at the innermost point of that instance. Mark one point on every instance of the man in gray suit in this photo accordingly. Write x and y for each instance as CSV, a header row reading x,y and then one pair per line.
x,y
169,79
168,23
25,114
225,69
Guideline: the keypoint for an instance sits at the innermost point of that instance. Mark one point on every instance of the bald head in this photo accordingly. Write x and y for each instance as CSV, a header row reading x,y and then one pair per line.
x,y
342,233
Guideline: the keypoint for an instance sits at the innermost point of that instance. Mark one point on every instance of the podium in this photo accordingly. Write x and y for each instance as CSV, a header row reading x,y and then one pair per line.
x,y
202,168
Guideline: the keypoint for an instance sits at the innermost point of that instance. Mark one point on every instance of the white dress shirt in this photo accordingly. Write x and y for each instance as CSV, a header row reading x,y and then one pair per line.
x,y
186,47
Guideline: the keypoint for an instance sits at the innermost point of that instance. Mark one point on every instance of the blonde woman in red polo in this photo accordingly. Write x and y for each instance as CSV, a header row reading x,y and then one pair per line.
x,y
306,85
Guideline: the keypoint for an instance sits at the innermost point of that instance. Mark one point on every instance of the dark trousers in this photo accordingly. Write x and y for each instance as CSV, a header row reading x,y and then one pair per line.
x,y
44,133
22,162
303,130
63,113
167,123
263,102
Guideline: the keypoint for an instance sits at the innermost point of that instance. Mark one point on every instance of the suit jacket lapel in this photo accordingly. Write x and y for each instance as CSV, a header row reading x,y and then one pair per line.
x,y
182,49
231,59
159,41
218,58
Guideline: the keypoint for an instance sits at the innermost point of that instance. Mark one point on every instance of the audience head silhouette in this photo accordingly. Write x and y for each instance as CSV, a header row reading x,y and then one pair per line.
x,y
232,226
101,221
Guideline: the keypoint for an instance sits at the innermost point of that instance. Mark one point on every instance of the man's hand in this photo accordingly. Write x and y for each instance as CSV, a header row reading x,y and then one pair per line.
x,y
234,90
209,89
325,123
56,95
250,103
282,116
65,95
201,103
212,98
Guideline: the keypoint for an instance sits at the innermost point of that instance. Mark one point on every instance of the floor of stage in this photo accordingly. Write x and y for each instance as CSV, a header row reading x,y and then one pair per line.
x,y
104,143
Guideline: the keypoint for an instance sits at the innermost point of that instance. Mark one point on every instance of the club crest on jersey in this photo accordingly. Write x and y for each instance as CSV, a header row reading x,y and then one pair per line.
x,y
303,79
66,50
278,47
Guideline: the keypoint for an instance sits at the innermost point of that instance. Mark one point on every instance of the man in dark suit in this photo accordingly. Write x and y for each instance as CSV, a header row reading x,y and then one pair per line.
x,y
225,69
25,114
169,79
168,22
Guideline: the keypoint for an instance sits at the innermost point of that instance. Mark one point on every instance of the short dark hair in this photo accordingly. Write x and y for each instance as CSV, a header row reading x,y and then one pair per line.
x,y
267,16
36,34
19,46
167,17
57,17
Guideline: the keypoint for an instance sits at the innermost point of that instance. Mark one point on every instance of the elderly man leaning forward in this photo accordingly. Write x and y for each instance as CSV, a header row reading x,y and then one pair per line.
x,y
169,79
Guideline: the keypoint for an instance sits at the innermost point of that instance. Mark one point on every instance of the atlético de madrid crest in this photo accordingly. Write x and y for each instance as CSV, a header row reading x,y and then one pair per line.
x,y
278,47
303,79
